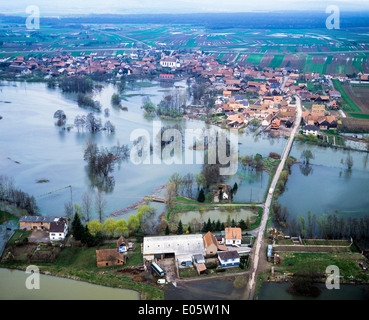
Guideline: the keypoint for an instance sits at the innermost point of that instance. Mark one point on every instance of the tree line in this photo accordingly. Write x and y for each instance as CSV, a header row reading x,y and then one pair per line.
x,y
10,193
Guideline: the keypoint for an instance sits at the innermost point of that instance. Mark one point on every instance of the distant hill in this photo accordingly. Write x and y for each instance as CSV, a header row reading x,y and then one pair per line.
x,y
252,20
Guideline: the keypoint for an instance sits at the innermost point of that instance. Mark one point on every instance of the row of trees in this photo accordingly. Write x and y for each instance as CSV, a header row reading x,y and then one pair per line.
x,y
326,226
92,124
172,105
210,225
85,100
92,233
9,192
76,84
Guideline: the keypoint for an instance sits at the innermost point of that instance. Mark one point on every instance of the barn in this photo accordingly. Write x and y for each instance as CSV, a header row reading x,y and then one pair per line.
x,y
176,246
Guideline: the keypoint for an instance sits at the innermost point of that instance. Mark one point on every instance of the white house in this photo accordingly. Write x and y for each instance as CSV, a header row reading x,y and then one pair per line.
x,y
169,62
233,236
58,230
229,258
310,129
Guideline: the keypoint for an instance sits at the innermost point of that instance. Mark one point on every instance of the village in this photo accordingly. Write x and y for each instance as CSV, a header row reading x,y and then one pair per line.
x,y
243,95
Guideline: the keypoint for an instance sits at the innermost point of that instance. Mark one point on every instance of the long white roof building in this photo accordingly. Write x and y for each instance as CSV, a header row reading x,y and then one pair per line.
x,y
169,246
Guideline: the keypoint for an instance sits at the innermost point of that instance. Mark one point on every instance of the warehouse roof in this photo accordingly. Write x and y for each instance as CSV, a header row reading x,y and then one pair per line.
x,y
178,244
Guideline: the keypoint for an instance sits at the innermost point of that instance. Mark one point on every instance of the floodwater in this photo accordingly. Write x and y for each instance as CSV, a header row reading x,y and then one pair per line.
x,y
34,148
277,291
326,186
215,214
220,289
55,288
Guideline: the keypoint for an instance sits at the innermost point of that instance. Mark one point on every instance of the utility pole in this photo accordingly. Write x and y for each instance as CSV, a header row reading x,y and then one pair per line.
x,y
71,199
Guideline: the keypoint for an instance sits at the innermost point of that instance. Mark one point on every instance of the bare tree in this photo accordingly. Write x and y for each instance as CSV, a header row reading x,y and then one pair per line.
x,y
87,205
100,204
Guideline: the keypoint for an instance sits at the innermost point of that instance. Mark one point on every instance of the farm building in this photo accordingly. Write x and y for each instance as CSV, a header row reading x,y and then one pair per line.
x,y
172,246
109,257
38,222
211,244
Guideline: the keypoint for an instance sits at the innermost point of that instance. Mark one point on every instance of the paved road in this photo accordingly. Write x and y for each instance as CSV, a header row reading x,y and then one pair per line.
x,y
258,252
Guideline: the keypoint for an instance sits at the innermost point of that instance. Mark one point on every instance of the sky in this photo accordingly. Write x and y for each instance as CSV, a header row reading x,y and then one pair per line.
x,y
66,7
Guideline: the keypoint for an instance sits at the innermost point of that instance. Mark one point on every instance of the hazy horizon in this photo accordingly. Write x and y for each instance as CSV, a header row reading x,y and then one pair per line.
x,y
71,7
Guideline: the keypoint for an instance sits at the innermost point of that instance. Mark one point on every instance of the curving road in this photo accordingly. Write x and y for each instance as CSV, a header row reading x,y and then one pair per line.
x,y
258,253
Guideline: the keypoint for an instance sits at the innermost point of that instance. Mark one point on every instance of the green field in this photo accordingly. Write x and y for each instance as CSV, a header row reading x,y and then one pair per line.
x,y
345,97
359,115
277,61
255,58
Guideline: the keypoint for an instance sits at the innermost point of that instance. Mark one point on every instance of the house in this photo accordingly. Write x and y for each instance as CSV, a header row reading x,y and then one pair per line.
x,y
334,94
109,257
122,245
198,259
233,236
201,268
58,230
170,62
38,222
164,76
227,94
310,129
229,258
275,124
211,244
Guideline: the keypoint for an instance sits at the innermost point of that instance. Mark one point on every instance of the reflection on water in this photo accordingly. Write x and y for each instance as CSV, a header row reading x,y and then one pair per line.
x,y
277,291
220,289
220,214
326,190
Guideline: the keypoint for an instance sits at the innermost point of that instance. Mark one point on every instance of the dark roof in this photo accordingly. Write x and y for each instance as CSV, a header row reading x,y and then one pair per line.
x,y
57,226
311,127
225,255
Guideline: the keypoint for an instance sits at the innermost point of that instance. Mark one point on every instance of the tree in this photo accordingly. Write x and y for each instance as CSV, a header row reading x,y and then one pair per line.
x,y
77,227
61,118
170,193
176,179
86,205
349,162
100,204
68,209
115,99
200,180
121,227
180,227
133,223
201,197
307,155
109,127
167,231
94,227
109,226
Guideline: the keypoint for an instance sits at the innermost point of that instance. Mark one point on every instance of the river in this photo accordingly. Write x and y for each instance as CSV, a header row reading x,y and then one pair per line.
x,y
55,288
